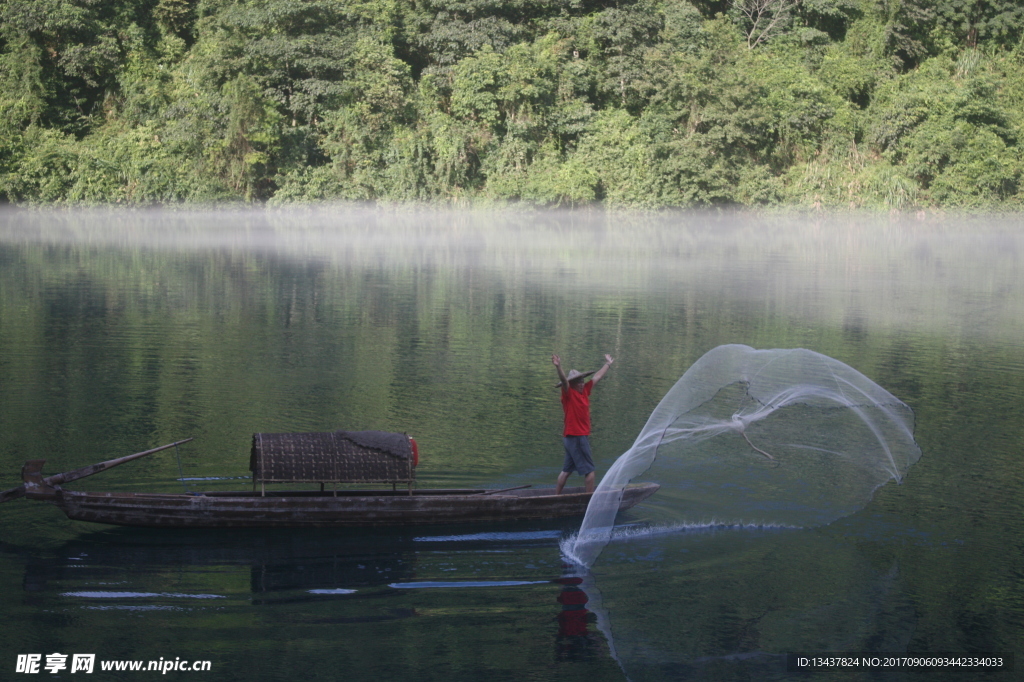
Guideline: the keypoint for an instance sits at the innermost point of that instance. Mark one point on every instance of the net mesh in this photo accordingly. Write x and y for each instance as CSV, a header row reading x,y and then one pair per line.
x,y
781,437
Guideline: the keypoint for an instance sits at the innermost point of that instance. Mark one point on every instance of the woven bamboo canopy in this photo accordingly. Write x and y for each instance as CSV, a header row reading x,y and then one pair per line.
x,y
332,457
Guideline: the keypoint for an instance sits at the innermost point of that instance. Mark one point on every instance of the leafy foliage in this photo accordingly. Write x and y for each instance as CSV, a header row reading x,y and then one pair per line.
x,y
881,103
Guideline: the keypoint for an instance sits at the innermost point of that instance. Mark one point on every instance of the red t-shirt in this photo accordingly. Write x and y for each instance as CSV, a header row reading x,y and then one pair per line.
x,y
576,406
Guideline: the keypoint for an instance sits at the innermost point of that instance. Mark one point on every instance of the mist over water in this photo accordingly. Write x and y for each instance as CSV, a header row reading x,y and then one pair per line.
x,y
121,331
904,270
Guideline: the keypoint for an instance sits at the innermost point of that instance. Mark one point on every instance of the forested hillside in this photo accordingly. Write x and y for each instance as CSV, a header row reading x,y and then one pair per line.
x,y
891,104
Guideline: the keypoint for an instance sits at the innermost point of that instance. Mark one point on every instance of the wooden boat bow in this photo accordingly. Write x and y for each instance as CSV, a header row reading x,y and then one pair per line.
x,y
36,487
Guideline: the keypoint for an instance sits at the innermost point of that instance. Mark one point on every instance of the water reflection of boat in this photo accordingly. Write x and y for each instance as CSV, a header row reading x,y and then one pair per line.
x,y
128,569
324,458
276,565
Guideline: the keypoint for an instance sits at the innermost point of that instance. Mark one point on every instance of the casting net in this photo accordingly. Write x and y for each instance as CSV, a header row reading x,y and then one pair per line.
x,y
786,437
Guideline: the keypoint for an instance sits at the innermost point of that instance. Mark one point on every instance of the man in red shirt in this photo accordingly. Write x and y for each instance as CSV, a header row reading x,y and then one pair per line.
x,y
576,406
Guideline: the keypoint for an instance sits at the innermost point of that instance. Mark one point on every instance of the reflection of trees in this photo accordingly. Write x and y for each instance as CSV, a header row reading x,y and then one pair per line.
x,y
413,325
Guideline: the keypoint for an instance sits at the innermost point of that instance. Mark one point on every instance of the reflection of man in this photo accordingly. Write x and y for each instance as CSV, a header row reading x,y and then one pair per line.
x,y
575,436
574,642
573,618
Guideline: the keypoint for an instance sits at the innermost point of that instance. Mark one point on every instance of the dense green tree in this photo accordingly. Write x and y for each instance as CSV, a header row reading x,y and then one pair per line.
x,y
948,130
884,103
971,21
66,54
831,17
615,40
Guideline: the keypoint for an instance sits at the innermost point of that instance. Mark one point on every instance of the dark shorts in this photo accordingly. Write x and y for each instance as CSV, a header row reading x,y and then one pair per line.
x,y
577,455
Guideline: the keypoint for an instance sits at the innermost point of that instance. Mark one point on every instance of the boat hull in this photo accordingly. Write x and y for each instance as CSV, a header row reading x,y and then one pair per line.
x,y
317,510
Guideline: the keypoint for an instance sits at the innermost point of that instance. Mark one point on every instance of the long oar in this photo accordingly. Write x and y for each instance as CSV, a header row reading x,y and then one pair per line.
x,y
69,476
504,490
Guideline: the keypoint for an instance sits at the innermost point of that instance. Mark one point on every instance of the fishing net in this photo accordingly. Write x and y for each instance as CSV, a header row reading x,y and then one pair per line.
x,y
784,437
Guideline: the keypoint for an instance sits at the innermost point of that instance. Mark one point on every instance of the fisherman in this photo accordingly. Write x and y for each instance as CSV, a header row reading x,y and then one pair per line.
x,y
576,406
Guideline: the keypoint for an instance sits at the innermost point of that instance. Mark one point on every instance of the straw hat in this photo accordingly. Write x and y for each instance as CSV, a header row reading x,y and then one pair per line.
x,y
573,375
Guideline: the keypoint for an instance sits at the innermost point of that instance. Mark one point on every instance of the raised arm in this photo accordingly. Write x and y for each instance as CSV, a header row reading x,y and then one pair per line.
x,y
608,360
557,362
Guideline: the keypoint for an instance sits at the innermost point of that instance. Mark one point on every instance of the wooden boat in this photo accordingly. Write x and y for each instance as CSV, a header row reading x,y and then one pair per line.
x,y
322,458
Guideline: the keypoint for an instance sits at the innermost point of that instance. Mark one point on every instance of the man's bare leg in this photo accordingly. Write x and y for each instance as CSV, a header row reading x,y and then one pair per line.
x,y
562,478
589,480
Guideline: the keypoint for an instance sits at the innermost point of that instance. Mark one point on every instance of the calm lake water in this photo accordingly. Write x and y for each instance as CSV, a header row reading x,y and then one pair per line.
x,y
124,331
